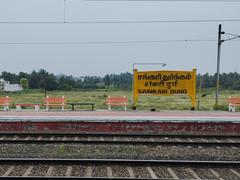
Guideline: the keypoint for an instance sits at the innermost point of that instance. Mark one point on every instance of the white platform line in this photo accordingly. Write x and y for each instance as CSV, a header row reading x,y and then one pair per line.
x,y
133,118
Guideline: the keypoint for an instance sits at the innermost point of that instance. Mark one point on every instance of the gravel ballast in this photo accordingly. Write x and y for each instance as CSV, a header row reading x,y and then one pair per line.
x,y
119,151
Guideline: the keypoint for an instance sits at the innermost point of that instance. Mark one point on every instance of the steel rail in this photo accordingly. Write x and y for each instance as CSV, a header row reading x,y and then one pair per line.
x,y
72,177
116,161
120,135
145,141
120,142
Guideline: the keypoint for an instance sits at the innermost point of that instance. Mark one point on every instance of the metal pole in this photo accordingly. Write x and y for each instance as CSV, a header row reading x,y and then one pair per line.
x,y
199,92
133,106
64,11
218,63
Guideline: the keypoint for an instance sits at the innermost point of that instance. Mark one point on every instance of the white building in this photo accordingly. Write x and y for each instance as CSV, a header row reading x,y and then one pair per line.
x,y
6,86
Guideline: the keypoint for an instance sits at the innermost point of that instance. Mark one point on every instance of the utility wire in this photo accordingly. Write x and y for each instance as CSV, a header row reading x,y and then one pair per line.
x,y
108,42
231,34
111,42
229,39
122,22
173,0
235,36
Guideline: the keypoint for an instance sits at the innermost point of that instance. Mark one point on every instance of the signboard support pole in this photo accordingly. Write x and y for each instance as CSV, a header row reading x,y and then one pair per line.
x,y
134,95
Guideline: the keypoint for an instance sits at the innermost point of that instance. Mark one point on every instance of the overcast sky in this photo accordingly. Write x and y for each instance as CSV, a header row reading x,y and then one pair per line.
x,y
99,58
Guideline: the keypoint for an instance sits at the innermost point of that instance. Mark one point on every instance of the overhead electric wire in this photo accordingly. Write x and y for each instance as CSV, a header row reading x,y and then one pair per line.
x,y
108,42
173,0
235,36
232,38
232,34
122,21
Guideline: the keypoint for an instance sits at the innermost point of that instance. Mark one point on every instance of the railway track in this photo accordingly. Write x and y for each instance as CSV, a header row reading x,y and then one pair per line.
x,y
133,139
117,169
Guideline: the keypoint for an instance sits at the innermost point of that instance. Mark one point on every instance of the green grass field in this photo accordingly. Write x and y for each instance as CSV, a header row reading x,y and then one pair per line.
x,y
144,103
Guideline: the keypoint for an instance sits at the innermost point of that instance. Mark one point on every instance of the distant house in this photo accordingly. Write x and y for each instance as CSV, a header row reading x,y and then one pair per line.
x,y
6,86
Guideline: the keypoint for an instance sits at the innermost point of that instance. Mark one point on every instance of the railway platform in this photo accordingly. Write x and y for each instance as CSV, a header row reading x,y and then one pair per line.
x,y
130,122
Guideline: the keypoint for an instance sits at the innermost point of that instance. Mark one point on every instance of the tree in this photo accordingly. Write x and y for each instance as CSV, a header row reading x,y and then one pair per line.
x,y
66,83
34,80
24,83
236,85
49,83
11,77
23,75
107,80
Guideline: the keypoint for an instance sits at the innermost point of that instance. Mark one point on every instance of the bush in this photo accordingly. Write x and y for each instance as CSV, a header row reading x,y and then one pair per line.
x,y
24,83
220,107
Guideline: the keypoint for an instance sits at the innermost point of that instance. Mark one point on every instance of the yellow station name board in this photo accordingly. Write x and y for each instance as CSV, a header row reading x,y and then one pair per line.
x,y
164,83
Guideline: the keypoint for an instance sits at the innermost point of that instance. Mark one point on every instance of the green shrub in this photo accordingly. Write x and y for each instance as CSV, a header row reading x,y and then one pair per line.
x,y
220,107
24,83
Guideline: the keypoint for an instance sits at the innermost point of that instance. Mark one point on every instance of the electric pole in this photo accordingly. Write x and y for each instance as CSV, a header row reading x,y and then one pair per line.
x,y
218,61
220,41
